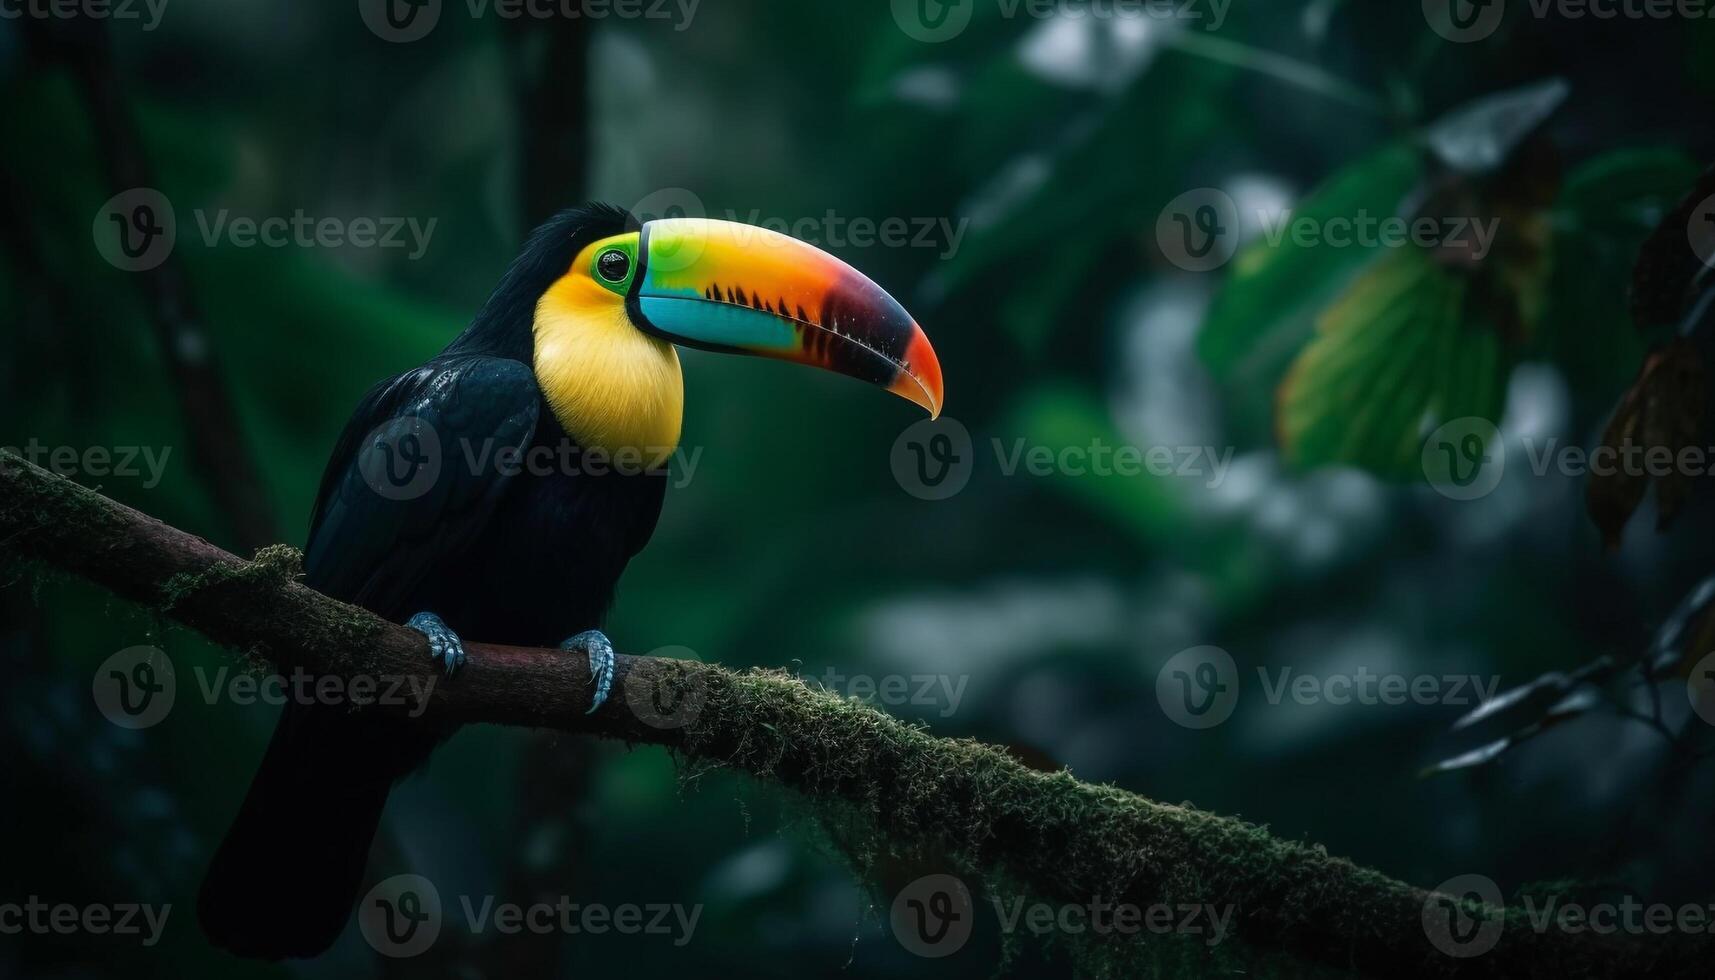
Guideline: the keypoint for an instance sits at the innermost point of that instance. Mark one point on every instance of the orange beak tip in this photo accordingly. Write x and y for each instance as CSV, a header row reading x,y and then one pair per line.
x,y
921,381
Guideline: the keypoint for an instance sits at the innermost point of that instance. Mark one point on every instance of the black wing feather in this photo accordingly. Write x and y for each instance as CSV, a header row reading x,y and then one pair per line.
x,y
372,542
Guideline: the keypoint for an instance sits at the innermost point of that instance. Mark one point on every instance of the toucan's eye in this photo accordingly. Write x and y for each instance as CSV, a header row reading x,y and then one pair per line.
x,y
613,265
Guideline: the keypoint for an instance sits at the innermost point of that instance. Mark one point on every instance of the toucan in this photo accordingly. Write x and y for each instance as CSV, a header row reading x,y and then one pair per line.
x,y
576,349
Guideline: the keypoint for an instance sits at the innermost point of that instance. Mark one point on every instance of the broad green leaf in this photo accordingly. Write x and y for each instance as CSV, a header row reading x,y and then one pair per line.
x,y
1392,359
1266,310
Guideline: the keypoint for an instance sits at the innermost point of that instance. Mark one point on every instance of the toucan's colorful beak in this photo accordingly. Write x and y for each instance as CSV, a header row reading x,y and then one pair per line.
x,y
724,286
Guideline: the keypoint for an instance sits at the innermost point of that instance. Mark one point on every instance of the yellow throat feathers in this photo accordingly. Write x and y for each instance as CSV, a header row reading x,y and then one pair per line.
x,y
612,387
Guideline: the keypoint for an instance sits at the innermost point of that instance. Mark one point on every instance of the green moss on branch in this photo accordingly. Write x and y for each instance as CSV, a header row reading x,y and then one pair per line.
x,y
905,795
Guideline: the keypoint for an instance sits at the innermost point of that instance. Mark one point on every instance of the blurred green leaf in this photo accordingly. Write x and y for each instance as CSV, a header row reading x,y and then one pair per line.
x,y
1060,416
1391,360
1098,181
1266,309
1606,209
1626,191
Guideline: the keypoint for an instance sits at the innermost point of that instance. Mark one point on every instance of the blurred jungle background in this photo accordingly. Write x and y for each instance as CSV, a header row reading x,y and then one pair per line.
x,y
1044,148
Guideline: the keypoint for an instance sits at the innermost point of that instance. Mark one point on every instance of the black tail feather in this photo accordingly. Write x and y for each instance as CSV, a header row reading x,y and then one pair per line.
x,y
284,881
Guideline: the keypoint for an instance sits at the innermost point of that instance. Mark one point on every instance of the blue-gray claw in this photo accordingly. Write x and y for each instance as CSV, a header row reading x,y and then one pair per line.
x,y
595,645
444,644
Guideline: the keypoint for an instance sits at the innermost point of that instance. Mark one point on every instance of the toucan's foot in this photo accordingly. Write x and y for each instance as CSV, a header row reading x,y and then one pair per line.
x,y
595,645
444,644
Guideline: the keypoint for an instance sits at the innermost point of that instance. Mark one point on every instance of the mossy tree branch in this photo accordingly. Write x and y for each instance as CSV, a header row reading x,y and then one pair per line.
x,y
1061,839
